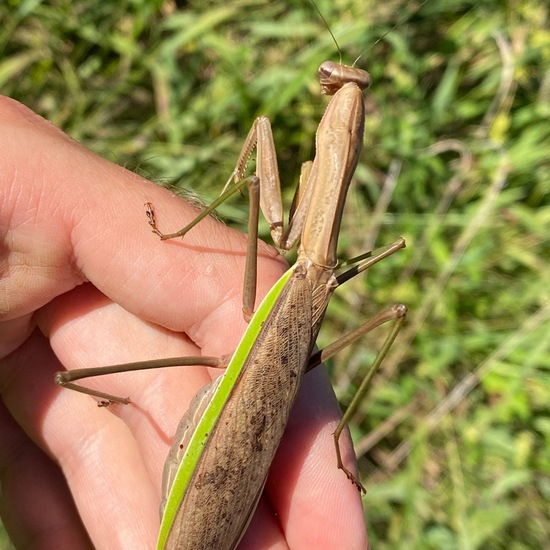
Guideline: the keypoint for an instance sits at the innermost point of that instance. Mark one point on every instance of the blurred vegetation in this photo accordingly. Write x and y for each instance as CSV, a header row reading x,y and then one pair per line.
x,y
454,438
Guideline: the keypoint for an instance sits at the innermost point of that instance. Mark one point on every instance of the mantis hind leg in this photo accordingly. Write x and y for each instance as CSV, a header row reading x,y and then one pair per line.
x,y
66,378
395,313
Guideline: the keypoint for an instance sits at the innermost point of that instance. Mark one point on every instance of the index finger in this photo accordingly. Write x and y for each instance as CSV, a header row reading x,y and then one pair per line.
x,y
68,216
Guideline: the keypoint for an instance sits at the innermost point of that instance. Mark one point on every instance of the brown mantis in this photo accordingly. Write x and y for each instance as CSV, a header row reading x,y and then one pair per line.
x,y
224,456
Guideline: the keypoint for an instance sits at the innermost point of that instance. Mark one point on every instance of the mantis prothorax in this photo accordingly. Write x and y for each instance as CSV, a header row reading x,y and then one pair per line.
x,y
216,470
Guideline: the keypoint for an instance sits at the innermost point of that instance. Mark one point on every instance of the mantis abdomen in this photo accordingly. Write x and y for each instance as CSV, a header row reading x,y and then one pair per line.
x,y
233,465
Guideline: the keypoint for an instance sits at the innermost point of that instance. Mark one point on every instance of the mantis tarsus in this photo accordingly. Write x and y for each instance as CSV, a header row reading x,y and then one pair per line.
x,y
231,440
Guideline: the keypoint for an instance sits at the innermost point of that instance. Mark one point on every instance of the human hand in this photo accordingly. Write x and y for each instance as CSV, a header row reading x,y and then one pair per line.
x,y
84,283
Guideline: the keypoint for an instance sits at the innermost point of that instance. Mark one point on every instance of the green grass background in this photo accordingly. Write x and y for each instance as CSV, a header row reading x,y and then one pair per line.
x,y
454,437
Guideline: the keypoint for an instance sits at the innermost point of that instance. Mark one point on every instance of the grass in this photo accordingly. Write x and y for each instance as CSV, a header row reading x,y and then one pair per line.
x,y
454,438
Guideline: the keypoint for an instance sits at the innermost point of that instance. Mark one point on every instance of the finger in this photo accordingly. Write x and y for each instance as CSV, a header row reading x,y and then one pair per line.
x,y
97,454
317,505
81,325
265,531
31,483
82,218
308,502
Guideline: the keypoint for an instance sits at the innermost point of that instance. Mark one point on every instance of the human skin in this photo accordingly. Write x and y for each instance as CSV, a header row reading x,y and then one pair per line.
x,y
83,282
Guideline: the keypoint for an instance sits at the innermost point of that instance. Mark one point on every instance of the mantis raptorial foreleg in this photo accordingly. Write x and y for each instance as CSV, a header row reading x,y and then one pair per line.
x,y
238,431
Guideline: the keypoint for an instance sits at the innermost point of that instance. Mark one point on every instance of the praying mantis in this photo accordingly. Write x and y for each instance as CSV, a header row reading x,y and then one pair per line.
x,y
224,446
